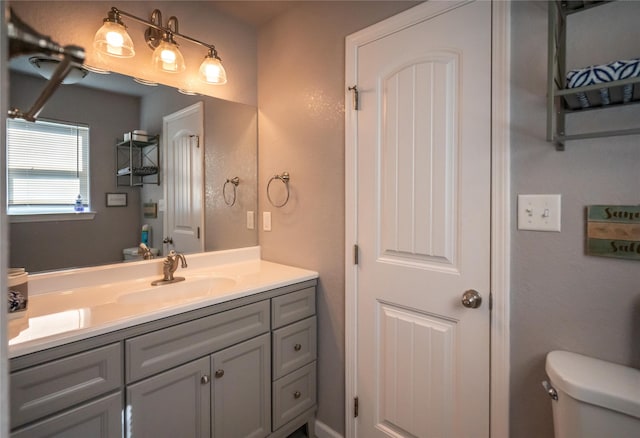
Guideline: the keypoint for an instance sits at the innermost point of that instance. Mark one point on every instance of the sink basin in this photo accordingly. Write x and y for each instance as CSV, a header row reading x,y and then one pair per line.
x,y
189,289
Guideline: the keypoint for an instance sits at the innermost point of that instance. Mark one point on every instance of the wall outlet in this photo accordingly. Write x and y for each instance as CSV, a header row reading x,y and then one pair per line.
x,y
266,221
539,212
250,220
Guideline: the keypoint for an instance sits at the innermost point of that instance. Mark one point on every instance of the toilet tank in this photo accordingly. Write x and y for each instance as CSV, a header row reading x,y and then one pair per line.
x,y
595,398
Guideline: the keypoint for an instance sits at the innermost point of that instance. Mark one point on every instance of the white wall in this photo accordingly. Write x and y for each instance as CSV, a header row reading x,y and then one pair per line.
x,y
562,298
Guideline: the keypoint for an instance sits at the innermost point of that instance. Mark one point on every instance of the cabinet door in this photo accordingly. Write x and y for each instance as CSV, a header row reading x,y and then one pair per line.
x,y
172,404
99,419
241,390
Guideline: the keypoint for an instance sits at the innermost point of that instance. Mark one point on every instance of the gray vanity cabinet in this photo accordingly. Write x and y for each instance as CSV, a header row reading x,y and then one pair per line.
x,y
245,368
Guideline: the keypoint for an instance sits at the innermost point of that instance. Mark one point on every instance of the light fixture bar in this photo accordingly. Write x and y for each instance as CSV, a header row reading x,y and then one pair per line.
x,y
162,28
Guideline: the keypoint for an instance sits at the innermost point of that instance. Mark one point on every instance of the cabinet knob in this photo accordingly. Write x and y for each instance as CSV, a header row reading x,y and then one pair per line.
x,y
219,373
297,347
297,394
204,379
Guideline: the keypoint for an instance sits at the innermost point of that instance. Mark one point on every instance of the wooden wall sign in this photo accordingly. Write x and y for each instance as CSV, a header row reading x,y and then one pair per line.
x,y
614,231
150,210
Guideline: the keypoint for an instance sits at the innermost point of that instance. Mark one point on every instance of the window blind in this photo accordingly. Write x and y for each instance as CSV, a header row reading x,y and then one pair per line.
x,y
47,166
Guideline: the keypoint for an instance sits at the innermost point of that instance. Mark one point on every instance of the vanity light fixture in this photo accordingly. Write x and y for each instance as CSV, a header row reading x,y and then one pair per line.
x,y
112,39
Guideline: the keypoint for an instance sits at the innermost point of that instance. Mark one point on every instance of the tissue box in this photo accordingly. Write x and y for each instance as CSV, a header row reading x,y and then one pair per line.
x,y
18,291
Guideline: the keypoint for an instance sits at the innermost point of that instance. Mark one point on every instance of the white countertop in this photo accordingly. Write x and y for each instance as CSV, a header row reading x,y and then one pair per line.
x,y
81,303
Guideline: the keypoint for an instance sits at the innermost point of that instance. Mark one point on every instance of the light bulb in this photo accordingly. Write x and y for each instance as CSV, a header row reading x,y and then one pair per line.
x,y
112,39
212,71
167,57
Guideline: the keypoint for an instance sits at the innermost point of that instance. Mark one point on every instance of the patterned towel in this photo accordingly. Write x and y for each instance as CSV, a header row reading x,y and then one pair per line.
x,y
601,74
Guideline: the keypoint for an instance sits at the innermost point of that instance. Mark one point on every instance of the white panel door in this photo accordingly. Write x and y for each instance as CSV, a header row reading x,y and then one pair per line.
x,y
183,135
423,225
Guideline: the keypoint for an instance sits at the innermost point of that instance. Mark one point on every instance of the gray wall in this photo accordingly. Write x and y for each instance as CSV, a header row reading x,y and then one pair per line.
x,y
561,298
52,245
301,99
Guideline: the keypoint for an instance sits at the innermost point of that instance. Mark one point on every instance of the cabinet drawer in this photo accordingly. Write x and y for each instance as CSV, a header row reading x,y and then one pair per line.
x,y
294,346
163,349
293,307
293,394
57,385
101,418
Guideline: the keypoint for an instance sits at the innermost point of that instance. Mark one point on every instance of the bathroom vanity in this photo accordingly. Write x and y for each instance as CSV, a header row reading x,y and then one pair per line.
x,y
237,361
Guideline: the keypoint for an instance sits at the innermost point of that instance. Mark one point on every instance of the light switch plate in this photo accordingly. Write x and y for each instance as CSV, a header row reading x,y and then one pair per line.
x,y
539,212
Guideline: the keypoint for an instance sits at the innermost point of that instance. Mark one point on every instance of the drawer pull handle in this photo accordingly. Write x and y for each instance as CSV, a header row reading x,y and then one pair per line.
x,y
219,373
297,347
296,394
204,379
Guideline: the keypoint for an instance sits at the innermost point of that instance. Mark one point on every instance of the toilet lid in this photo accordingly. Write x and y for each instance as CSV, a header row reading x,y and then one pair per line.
x,y
134,251
595,381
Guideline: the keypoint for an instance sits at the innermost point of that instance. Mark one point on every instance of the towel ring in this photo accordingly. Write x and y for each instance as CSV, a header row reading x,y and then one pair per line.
x,y
284,177
234,183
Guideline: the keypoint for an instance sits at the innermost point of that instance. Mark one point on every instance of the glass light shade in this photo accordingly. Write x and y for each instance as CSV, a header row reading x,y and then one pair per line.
x,y
114,40
212,71
167,57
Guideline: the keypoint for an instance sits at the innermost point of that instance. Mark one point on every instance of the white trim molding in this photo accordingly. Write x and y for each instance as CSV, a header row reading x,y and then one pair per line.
x,y
500,216
324,431
500,207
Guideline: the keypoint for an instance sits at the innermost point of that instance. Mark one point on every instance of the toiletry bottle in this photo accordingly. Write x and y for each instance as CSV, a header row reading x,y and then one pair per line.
x,y
144,238
78,206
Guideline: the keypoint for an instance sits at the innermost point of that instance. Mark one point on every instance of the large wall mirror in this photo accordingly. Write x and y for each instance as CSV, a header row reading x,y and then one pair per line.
x,y
111,105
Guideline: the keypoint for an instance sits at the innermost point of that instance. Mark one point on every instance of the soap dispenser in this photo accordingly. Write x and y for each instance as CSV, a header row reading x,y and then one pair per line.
x,y
145,235
78,206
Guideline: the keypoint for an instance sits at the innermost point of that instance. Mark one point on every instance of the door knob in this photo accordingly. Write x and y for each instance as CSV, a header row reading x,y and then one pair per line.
x,y
219,373
471,299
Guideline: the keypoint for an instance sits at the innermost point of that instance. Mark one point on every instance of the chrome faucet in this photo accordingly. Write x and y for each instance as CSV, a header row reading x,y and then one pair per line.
x,y
169,266
145,252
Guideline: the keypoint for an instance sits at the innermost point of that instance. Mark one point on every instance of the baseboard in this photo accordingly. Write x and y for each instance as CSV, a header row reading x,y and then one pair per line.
x,y
324,431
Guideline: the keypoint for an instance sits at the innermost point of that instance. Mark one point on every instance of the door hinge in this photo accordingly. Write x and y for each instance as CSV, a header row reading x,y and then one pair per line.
x,y
355,407
197,137
198,232
356,254
356,97
490,301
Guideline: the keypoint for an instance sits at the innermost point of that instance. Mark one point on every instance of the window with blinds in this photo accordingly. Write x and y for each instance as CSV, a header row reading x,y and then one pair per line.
x,y
47,166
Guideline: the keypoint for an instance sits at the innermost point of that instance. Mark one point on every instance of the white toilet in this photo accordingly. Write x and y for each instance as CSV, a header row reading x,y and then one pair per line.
x,y
592,398
131,254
